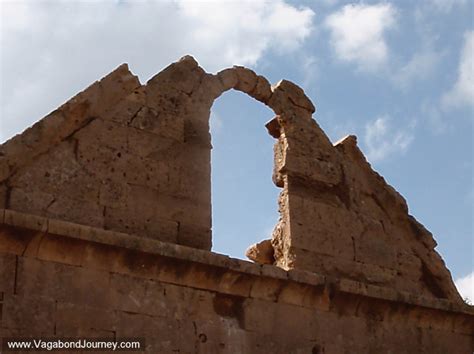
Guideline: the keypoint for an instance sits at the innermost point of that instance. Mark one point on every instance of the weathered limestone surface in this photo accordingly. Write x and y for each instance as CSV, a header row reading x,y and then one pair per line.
x,y
261,252
111,187
120,156
187,300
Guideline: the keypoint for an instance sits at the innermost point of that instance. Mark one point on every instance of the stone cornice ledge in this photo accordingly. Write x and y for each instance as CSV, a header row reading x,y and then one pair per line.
x,y
330,286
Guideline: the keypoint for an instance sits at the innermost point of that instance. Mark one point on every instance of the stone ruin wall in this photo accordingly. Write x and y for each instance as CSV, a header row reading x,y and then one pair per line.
x,y
108,189
60,279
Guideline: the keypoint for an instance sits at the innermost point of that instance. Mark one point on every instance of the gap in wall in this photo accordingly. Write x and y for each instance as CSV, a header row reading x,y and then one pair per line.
x,y
244,197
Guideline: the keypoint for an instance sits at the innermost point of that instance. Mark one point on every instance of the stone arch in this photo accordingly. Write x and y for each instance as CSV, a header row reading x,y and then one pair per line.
x,y
280,99
197,90
293,127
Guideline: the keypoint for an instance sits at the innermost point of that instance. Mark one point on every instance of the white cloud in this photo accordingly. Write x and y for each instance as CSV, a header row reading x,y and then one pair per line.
x,y
419,67
245,29
382,140
465,287
357,33
215,122
436,120
309,66
447,5
462,93
52,50
329,2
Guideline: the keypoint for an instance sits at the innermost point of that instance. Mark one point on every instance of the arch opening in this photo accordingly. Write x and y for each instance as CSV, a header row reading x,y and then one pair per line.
x,y
244,198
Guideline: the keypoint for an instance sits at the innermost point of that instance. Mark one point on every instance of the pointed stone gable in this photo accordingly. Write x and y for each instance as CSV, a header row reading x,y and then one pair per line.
x,y
135,159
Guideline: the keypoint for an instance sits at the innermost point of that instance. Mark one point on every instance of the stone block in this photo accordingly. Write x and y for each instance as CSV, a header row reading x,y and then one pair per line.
x,y
228,78
151,202
114,194
139,264
34,202
305,296
70,317
209,89
371,211
105,163
295,322
4,192
147,172
124,111
25,221
154,145
258,343
8,269
320,227
194,236
374,246
129,294
196,129
4,168
235,284
312,170
438,342
259,316
141,221
75,231
327,265
408,264
112,89
102,257
61,249
62,282
192,165
183,76
57,173
287,96
161,335
184,303
220,335
32,314
15,240
162,123
14,154
262,91
305,277
274,272
11,332
246,79
77,211
106,133
261,252
463,324
306,138
192,275
267,289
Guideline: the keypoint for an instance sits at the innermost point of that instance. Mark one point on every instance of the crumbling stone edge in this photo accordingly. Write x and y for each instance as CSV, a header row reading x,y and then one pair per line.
x,y
330,286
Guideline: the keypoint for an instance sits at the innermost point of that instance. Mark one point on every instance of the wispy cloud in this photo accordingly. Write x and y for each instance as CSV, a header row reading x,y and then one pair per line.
x,y
462,93
447,5
310,69
420,67
357,33
435,118
52,50
465,286
329,2
382,139
215,122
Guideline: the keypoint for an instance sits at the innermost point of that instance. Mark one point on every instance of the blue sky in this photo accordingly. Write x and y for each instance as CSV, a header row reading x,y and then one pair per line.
x,y
398,74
